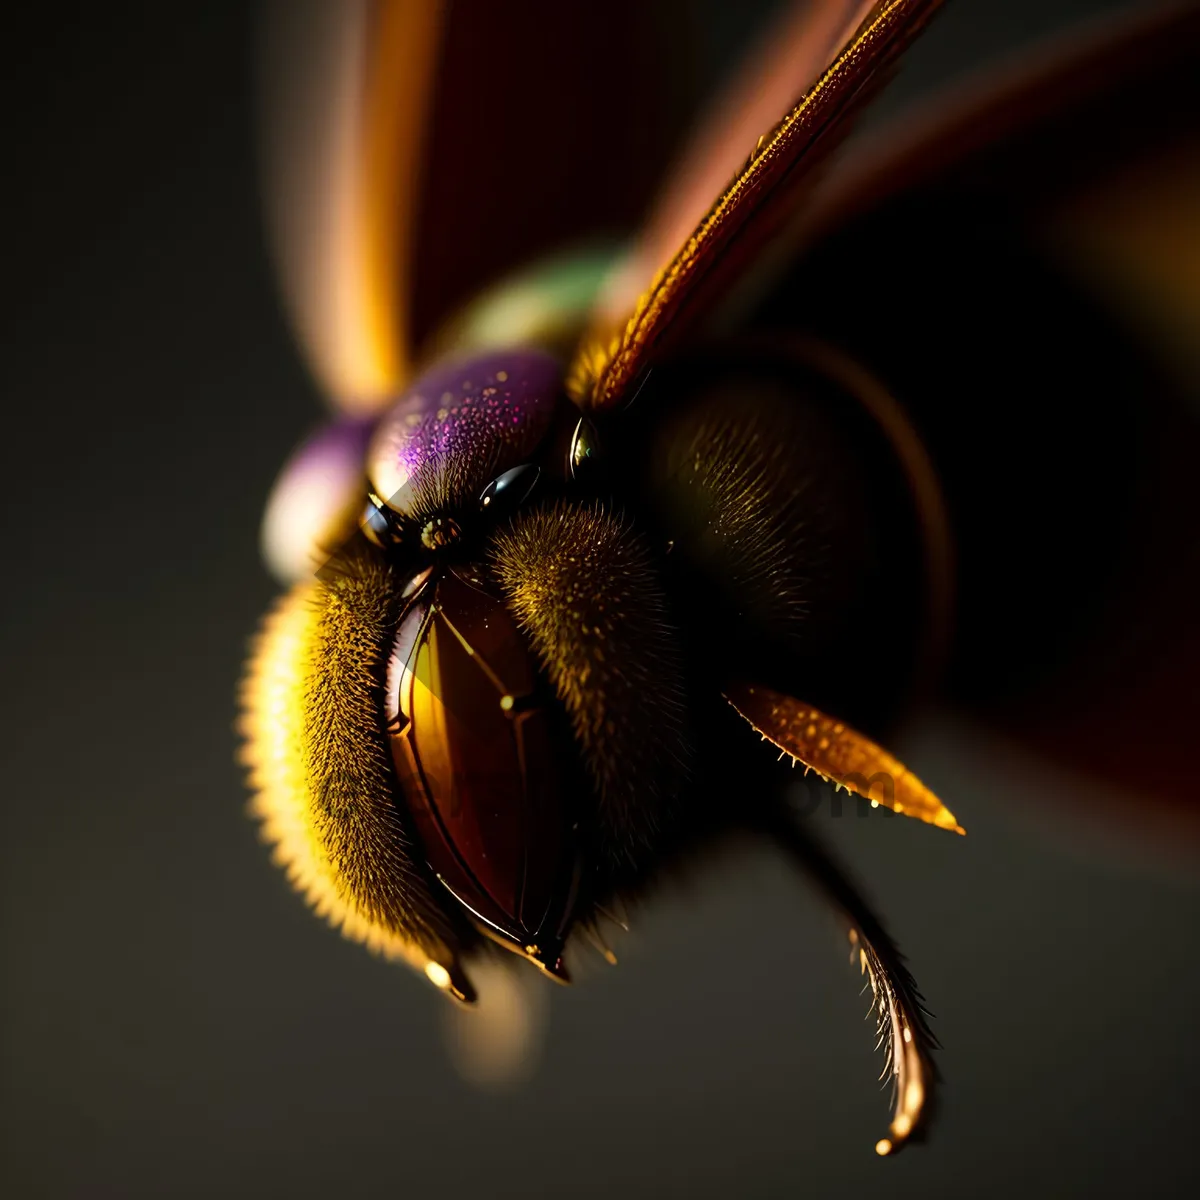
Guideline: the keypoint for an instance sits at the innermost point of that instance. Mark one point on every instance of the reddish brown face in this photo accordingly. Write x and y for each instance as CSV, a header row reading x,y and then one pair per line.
x,y
476,764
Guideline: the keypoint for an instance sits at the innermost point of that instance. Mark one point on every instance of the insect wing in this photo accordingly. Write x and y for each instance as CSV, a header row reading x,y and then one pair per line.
x,y
833,58
1089,106
345,93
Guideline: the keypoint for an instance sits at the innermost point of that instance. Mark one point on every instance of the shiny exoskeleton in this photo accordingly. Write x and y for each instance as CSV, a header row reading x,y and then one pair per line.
x,y
558,605
570,619
533,672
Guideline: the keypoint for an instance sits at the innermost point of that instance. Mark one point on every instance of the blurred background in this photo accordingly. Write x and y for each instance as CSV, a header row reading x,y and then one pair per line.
x,y
174,1023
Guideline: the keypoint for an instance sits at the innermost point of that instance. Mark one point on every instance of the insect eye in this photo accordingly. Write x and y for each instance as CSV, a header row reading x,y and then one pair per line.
x,y
585,449
508,491
376,524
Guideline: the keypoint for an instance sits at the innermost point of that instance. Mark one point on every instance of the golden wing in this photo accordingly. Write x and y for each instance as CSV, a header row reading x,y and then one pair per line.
x,y
834,58
345,98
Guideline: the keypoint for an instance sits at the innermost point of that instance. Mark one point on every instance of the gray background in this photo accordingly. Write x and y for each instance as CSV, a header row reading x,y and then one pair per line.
x,y
175,1024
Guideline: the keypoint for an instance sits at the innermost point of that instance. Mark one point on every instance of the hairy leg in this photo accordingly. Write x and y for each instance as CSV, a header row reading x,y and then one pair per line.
x,y
902,1026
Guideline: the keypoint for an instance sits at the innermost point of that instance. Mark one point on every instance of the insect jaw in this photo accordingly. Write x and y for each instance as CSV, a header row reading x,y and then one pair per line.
x,y
546,954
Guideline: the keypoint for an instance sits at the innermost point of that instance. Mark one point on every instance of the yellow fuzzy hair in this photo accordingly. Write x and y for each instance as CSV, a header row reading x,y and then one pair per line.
x,y
320,770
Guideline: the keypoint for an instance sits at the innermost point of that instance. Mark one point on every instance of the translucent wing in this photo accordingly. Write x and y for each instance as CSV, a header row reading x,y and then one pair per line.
x,y
346,89
526,96
382,118
1081,112
818,71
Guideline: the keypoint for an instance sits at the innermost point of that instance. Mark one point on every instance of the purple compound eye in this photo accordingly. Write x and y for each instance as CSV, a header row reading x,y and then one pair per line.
x,y
460,426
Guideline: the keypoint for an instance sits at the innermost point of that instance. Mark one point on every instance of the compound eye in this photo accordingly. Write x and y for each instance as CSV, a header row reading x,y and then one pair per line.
x,y
376,524
508,491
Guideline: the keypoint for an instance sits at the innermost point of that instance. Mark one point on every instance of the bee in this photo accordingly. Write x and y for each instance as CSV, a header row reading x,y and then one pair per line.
x,y
562,597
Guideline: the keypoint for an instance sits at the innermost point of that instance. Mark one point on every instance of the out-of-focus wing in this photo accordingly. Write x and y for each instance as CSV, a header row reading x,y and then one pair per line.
x,y
1090,108
346,90
527,99
417,150
1048,279
818,71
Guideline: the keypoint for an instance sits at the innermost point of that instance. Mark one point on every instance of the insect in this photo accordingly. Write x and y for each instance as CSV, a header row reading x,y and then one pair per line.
x,y
569,610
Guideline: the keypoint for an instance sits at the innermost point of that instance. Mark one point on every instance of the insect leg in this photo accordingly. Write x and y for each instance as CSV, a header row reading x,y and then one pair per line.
x,y
902,1026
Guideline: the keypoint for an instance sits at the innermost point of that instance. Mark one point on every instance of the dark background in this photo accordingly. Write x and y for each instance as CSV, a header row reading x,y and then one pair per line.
x,y
175,1024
